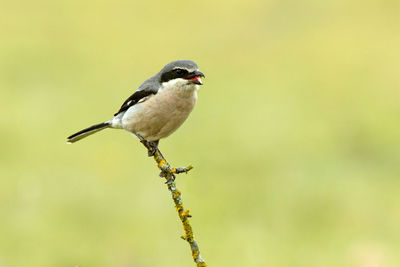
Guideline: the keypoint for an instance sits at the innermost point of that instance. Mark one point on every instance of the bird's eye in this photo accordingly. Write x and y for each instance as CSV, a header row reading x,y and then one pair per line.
x,y
180,72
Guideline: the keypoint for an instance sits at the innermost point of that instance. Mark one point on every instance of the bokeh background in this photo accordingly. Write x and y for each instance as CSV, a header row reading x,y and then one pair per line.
x,y
295,138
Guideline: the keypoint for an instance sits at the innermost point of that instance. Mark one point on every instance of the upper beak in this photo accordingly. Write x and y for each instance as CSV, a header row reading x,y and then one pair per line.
x,y
199,73
195,77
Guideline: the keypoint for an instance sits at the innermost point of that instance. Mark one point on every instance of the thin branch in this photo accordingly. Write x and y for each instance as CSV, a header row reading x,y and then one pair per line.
x,y
168,173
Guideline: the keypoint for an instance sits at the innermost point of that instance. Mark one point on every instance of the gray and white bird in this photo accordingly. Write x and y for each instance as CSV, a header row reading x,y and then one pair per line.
x,y
158,107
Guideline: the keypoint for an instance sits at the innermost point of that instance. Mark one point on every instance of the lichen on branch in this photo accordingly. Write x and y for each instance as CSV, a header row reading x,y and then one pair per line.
x,y
168,173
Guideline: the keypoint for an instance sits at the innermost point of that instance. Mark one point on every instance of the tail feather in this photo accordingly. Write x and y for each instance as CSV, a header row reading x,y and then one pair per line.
x,y
88,131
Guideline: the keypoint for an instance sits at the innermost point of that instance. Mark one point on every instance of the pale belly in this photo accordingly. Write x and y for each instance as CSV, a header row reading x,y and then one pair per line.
x,y
160,115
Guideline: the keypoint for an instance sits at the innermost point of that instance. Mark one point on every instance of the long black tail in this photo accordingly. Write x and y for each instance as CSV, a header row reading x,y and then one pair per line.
x,y
88,131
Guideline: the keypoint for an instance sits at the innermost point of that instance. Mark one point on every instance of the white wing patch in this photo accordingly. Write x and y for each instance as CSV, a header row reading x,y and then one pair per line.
x,y
144,99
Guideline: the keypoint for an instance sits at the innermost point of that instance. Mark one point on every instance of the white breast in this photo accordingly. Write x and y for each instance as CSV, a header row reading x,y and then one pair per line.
x,y
161,114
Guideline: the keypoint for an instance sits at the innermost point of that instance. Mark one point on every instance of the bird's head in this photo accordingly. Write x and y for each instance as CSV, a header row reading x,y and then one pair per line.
x,y
181,72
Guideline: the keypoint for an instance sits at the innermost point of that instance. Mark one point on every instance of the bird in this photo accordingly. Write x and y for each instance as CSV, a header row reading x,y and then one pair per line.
x,y
157,108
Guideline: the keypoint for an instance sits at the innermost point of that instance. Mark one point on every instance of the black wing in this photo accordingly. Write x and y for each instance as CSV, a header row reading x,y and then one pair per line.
x,y
134,99
148,87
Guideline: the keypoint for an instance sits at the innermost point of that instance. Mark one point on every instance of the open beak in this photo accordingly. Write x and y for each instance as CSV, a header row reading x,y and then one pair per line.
x,y
195,77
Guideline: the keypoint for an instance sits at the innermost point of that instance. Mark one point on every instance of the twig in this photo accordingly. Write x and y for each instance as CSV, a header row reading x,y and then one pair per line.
x,y
169,174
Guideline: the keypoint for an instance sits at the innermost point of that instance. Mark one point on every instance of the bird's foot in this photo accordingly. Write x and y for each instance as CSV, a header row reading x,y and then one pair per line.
x,y
151,149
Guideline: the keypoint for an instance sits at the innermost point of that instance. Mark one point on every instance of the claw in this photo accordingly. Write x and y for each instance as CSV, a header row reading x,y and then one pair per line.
x,y
151,152
151,148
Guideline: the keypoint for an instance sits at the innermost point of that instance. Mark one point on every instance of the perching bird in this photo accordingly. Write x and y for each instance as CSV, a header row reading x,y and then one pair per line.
x,y
158,107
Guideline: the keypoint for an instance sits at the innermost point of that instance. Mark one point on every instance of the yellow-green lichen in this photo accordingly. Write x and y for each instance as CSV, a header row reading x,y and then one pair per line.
x,y
167,172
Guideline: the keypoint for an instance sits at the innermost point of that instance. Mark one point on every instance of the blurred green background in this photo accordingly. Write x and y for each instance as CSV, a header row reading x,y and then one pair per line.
x,y
295,137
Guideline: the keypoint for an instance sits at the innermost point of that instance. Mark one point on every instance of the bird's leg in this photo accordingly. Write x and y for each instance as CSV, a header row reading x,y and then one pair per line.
x,y
166,170
151,146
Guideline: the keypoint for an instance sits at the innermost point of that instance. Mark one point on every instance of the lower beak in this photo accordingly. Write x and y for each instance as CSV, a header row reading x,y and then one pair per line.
x,y
195,77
